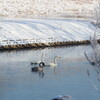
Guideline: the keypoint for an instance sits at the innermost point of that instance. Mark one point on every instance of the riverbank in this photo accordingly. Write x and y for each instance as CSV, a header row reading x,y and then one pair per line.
x,y
34,33
41,45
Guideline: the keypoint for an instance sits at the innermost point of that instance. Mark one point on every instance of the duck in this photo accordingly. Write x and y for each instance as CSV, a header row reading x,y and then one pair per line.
x,y
54,63
60,97
42,60
37,69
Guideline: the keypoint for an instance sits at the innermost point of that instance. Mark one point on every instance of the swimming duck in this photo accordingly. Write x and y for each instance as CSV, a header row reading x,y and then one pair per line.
x,y
60,97
37,69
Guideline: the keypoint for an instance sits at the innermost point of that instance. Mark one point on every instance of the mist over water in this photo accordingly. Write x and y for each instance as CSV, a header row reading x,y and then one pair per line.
x,y
70,77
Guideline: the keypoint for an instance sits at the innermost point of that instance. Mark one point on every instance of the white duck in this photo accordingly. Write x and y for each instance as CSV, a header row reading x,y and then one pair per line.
x,y
54,64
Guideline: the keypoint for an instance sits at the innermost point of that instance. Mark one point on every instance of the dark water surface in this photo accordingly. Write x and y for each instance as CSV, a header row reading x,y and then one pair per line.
x,y
70,77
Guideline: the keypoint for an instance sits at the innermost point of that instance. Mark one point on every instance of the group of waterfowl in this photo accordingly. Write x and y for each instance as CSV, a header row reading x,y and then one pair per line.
x,y
42,63
40,69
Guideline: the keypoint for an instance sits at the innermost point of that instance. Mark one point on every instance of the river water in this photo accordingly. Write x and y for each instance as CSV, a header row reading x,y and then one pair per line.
x,y
18,82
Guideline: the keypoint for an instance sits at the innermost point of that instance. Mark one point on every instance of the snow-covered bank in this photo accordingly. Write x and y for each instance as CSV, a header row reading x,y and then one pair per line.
x,y
36,8
14,32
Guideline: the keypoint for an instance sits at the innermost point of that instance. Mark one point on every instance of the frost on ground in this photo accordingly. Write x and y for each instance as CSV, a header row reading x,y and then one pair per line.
x,y
45,30
34,8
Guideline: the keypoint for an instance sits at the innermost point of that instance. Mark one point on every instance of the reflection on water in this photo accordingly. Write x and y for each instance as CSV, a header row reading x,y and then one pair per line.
x,y
70,77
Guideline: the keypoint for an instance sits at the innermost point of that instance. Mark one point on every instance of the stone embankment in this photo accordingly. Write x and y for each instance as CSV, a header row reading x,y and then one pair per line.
x,y
25,43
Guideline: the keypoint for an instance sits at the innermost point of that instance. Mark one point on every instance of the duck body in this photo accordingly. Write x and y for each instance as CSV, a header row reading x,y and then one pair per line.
x,y
54,64
36,69
62,98
57,99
